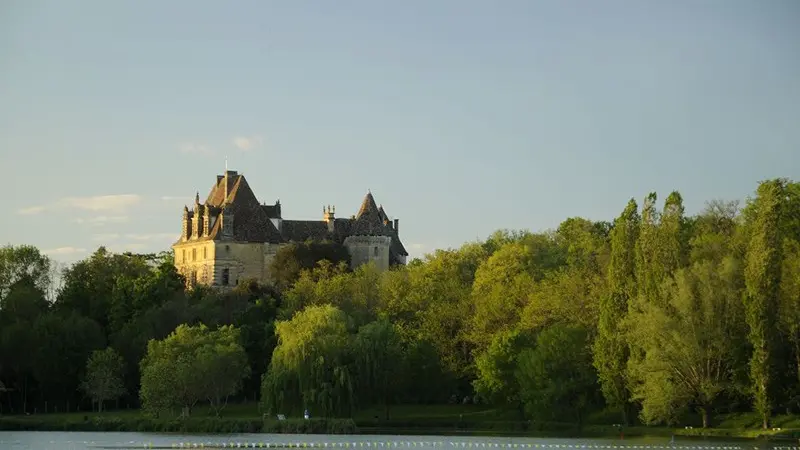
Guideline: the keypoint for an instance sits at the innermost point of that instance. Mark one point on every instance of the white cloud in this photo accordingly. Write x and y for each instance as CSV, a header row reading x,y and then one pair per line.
x,y
195,149
111,203
65,251
98,203
247,143
99,221
31,210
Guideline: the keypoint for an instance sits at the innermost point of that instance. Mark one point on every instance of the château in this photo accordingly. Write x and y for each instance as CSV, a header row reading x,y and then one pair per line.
x,y
232,237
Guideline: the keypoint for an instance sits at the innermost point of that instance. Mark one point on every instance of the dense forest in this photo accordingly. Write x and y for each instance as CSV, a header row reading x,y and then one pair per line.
x,y
654,317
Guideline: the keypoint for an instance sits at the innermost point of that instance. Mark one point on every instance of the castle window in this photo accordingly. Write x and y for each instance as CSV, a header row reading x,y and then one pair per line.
x,y
194,254
183,255
204,253
375,251
226,275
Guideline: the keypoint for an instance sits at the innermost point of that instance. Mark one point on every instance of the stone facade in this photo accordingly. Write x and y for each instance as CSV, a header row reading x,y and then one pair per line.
x,y
232,237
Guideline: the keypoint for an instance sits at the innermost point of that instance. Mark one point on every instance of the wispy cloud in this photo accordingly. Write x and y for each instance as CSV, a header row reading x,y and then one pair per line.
x,y
195,148
99,221
98,203
31,210
61,251
110,203
246,144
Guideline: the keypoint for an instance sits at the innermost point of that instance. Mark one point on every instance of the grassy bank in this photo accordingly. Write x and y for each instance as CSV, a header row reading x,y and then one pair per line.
x,y
405,419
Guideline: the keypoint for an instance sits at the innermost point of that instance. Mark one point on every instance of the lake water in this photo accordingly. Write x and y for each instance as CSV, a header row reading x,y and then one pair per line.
x,y
27,440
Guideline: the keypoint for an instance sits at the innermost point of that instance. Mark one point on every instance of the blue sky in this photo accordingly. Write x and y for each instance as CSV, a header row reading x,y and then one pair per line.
x,y
461,116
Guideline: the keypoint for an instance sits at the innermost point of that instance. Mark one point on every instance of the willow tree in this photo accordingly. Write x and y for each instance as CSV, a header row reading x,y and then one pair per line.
x,y
610,352
310,367
379,364
763,280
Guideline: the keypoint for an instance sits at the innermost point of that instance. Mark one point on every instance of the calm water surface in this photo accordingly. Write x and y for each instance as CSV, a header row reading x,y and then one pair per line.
x,y
39,440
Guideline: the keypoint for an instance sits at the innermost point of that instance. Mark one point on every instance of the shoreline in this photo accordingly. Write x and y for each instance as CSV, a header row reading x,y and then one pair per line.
x,y
212,425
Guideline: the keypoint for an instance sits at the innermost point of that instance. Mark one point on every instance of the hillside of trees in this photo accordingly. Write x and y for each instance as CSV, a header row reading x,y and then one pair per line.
x,y
655,317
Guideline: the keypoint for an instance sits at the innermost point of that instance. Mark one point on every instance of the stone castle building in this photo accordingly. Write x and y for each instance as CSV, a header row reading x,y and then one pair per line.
x,y
232,237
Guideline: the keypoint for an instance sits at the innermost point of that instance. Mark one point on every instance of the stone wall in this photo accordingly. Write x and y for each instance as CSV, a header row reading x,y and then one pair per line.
x,y
365,249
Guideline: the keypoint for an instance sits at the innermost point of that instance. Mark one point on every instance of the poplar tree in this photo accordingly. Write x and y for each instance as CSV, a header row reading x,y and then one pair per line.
x,y
647,276
610,348
762,284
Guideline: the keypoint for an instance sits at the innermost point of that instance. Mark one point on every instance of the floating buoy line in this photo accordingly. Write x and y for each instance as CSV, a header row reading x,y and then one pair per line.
x,y
422,444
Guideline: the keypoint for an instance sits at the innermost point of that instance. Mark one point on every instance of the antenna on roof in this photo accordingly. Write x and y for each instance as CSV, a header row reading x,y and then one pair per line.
x,y
226,164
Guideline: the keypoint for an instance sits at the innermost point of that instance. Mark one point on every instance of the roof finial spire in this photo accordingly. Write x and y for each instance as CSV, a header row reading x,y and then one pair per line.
x,y
226,164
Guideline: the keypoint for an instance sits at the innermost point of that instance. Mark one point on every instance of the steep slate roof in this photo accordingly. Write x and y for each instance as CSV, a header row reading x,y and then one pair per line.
x,y
302,230
369,220
250,220
272,211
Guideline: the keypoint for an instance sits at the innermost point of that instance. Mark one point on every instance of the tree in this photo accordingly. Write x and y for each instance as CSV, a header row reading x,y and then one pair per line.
x,y
763,280
89,284
790,305
223,364
648,273
104,376
379,361
690,343
24,261
291,260
610,351
557,371
497,367
310,366
63,342
191,364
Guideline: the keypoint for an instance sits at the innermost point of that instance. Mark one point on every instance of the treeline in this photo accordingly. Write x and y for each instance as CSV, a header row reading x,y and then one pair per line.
x,y
658,317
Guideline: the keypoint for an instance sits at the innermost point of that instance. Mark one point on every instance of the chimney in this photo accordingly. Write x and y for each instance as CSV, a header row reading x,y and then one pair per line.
x,y
397,227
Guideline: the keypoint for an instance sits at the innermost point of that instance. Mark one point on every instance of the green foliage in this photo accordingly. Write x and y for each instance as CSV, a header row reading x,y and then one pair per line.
x,y
311,365
24,261
690,343
658,312
555,377
104,371
293,259
379,363
762,277
191,364
497,367
610,352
